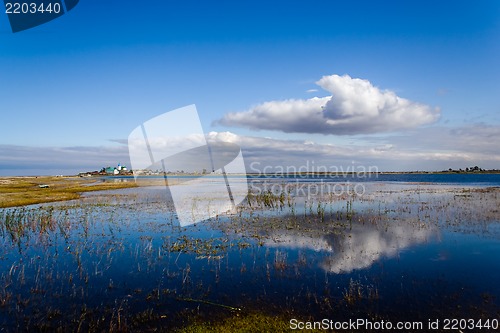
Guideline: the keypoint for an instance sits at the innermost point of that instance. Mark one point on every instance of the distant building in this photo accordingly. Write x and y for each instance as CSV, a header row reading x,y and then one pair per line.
x,y
120,169
110,170
85,174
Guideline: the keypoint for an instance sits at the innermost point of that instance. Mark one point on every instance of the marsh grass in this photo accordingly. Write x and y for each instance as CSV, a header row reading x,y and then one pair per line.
x,y
22,191
21,224
357,292
250,322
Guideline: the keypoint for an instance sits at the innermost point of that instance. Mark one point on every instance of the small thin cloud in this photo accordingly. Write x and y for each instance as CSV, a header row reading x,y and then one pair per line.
x,y
120,141
311,90
354,107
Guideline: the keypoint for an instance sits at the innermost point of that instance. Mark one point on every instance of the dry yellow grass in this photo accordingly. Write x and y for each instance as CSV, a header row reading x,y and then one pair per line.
x,y
21,191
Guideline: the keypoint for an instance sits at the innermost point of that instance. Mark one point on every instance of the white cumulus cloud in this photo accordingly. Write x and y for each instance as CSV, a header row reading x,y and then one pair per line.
x,y
355,106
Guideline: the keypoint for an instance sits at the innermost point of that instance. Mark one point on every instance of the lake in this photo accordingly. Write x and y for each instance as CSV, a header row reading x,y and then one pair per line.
x,y
402,247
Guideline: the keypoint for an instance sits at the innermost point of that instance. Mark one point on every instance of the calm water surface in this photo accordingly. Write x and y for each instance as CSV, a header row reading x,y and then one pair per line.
x,y
412,249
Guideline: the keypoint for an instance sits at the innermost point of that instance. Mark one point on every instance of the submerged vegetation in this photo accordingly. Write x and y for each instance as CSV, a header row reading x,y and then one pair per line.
x,y
120,261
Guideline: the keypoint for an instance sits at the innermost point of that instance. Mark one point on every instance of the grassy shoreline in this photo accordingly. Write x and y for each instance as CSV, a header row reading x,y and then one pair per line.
x,y
22,191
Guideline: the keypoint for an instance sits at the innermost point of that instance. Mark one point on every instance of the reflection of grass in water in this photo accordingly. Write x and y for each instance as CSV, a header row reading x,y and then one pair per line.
x,y
357,292
280,260
353,293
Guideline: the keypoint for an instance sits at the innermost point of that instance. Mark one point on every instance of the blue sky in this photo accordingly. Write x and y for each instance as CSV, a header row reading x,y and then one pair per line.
x,y
73,89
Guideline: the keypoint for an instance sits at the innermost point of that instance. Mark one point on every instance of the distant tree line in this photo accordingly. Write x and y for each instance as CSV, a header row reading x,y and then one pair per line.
x,y
474,169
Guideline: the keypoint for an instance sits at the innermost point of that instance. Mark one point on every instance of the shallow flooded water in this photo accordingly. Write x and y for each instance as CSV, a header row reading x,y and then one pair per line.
x,y
397,251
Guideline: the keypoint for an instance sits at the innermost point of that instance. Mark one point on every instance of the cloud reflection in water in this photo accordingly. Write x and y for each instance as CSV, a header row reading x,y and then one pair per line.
x,y
356,248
